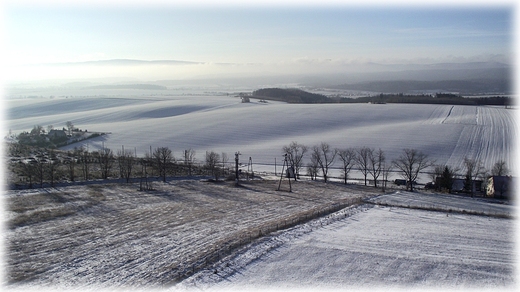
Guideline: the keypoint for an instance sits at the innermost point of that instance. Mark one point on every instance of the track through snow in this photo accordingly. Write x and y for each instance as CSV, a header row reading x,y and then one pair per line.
x,y
373,247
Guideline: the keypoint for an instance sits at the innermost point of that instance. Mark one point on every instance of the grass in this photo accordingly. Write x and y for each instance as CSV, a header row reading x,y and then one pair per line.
x,y
43,207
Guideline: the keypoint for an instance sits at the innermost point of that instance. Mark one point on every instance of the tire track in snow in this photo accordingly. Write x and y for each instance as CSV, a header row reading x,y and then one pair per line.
x,y
448,115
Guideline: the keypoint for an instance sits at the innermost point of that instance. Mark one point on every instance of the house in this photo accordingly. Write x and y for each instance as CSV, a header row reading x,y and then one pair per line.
x,y
459,185
500,187
53,134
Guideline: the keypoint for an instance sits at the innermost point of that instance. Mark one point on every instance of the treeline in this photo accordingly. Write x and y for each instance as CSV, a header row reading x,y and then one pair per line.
x,y
301,96
53,138
373,163
32,166
290,95
439,98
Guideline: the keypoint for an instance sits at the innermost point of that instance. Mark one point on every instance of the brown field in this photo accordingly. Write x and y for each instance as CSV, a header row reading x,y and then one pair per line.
x,y
114,235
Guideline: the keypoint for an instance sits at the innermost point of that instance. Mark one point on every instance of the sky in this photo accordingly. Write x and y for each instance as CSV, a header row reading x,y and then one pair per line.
x,y
40,37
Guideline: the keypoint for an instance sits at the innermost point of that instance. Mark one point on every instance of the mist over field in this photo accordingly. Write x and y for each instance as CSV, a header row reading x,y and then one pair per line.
x,y
495,77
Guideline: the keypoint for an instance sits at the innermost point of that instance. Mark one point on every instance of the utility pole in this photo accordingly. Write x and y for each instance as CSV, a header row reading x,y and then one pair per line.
x,y
250,168
285,163
237,178
275,166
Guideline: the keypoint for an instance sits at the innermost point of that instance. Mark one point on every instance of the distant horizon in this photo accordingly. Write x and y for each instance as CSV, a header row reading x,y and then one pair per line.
x,y
179,41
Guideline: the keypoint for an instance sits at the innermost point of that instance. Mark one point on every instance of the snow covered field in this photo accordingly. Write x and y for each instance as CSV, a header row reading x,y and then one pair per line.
x,y
371,247
113,235
223,124
116,236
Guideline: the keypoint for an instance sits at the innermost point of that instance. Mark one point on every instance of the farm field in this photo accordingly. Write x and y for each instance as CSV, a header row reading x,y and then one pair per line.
x,y
113,235
259,130
378,247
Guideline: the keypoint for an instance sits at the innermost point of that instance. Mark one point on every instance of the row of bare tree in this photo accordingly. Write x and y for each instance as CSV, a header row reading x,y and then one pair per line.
x,y
368,160
160,162
84,165
372,162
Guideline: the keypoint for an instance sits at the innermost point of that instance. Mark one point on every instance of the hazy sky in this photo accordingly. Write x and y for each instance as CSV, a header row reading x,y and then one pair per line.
x,y
257,38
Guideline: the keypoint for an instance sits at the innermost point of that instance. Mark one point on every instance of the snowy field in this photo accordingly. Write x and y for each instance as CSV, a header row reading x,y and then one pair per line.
x,y
223,238
113,235
372,247
223,124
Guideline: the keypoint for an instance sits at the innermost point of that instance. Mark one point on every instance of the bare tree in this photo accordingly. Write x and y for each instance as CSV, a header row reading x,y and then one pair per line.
x,y
474,169
105,159
126,162
212,161
386,171
362,160
70,127
500,169
225,159
146,164
71,163
411,163
86,158
295,153
324,156
28,171
52,167
39,170
348,157
376,160
37,130
163,158
189,159
313,168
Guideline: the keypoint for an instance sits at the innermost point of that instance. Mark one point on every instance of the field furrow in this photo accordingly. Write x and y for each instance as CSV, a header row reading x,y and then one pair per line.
x,y
154,238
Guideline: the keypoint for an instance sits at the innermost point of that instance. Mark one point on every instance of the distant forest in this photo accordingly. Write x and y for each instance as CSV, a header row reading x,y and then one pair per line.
x,y
291,95
300,96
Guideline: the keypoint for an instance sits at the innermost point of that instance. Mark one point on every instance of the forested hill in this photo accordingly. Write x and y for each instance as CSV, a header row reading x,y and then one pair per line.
x,y
439,98
300,96
468,87
290,95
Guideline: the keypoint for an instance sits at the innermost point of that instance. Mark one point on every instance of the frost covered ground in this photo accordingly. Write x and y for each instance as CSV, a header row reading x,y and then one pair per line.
x,y
378,247
258,130
112,235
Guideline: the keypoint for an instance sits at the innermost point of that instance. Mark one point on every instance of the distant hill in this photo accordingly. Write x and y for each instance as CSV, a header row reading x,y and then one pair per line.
x,y
290,95
492,86
439,98
300,96
127,86
126,62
